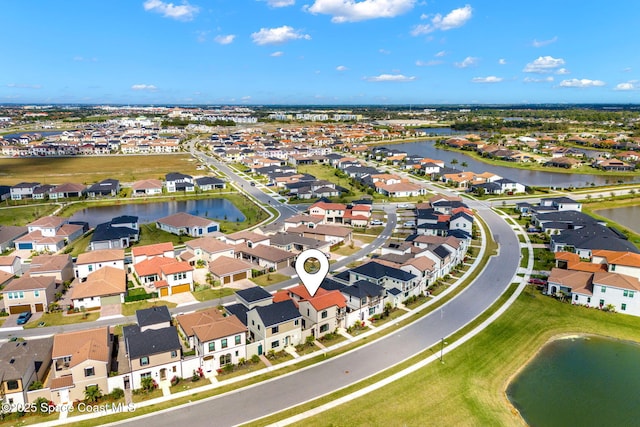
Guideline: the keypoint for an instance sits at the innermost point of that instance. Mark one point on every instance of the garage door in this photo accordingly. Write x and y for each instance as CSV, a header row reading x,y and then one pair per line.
x,y
226,280
25,245
239,276
164,292
39,307
110,300
17,309
180,289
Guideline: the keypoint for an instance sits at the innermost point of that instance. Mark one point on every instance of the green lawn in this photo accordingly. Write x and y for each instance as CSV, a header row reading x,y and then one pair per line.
x,y
57,319
269,279
23,215
213,293
346,250
543,259
130,308
187,384
468,389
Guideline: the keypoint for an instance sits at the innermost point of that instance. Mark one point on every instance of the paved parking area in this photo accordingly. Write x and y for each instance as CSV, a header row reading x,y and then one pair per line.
x,y
110,310
10,321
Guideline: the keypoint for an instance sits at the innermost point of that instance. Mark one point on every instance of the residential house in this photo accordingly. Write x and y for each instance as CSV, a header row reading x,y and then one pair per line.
x,y
80,359
182,223
253,297
302,220
333,234
8,235
58,266
265,256
147,187
89,262
228,270
49,234
218,340
386,276
106,286
153,347
167,275
364,299
588,238
141,253
29,294
11,264
627,263
275,326
176,181
67,191
105,188
22,363
23,190
207,183
206,249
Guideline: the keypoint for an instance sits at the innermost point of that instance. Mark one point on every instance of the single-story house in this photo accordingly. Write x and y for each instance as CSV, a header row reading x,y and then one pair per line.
x,y
105,286
183,223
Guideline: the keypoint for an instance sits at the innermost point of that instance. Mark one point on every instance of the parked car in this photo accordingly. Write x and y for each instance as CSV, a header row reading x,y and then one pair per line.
x,y
253,184
409,224
376,222
535,281
23,318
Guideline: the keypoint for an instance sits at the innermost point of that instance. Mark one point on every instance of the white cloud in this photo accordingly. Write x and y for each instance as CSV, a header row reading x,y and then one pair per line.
x,y
630,85
544,64
277,54
226,39
384,51
150,88
581,83
626,69
488,79
23,86
454,19
280,3
535,80
278,35
428,63
562,71
467,62
354,11
341,68
441,54
390,78
502,61
183,12
542,43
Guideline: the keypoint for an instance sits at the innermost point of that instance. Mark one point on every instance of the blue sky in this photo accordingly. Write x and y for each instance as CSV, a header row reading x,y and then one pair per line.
x,y
319,51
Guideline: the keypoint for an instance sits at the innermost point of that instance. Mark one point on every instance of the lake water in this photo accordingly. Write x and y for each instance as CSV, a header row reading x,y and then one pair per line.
x,y
629,216
527,177
150,212
580,382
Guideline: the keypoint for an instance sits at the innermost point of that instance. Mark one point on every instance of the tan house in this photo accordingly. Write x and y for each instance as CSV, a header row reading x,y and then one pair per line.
x,y
21,364
140,253
228,270
206,249
80,359
91,261
29,294
58,266
103,287
275,326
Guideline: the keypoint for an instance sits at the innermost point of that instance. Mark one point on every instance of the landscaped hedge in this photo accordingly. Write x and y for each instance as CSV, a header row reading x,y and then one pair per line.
x,y
140,297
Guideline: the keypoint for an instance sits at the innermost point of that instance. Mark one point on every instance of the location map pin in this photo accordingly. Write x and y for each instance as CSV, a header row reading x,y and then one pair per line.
x,y
312,267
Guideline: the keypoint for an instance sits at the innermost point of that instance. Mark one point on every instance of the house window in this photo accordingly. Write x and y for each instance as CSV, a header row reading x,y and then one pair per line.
x,y
623,307
588,300
601,302
613,267
174,353
630,294
89,371
324,328
275,329
144,361
324,314
21,294
296,322
225,359
224,343
275,344
145,375
212,346
576,297
36,294
12,385
625,293
603,289
90,268
372,311
238,339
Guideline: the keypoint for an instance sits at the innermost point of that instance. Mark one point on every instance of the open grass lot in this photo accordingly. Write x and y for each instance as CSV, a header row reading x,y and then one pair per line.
x,y
212,293
57,319
22,215
468,389
88,170
269,279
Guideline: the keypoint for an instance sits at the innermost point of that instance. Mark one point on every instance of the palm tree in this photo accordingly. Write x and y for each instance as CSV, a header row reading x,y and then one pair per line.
x,y
464,164
454,161
92,394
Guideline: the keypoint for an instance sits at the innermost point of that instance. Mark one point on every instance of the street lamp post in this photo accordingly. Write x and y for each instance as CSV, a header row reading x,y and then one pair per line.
x,y
442,343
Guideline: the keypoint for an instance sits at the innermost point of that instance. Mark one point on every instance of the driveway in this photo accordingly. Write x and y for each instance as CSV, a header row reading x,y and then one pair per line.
x,y
10,321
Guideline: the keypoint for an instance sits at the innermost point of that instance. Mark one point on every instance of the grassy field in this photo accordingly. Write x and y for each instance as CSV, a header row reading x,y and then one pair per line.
x,y
269,279
93,169
468,389
23,215
57,319
213,293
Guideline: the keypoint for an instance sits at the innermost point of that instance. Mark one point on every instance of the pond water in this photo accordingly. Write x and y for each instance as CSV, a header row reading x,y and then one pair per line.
x,y
527,177
629,216
150,212
580,382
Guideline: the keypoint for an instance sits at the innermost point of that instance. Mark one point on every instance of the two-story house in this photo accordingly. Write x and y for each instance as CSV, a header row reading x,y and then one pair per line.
x,y
29,294
168,275
140,253
176,181
49,234
206,249
88,262
275,326
152,346
80,359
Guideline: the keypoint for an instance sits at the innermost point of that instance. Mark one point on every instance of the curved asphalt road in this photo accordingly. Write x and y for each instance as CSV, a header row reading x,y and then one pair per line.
x,y
280,393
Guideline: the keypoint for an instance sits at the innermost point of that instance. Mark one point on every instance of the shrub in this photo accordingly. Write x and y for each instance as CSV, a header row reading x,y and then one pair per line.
x,y
36,385
255,358
175,380
117,393
228,368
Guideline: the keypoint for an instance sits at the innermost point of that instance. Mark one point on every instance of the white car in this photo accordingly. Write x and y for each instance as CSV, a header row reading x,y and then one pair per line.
x,y
409,224
403,205
376,222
